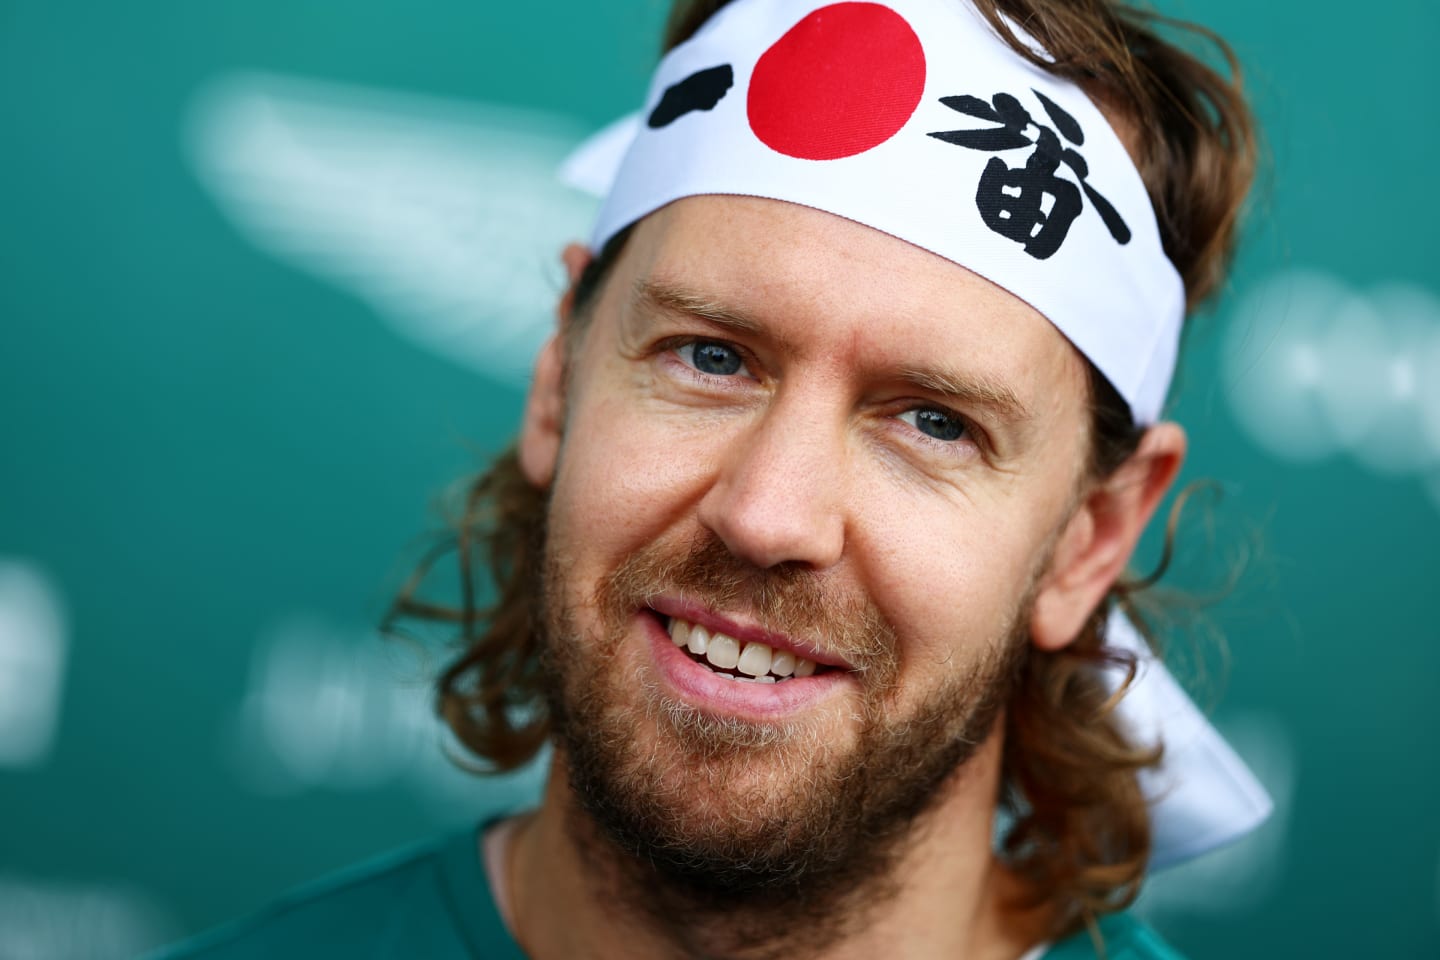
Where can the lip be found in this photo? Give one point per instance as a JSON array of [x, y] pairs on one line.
[[696, 613], [704, 688]]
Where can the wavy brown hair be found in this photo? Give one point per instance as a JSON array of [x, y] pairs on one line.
[[1079, 829]]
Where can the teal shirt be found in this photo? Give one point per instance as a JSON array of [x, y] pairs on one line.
[[433, 902]]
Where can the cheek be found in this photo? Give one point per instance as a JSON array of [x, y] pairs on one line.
[[949, 574], [625, 477]]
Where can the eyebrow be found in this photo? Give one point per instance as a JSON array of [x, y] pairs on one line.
[[966, 391], [664, 297], [969, 392]]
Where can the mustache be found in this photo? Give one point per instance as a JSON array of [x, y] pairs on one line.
[[789, 599]]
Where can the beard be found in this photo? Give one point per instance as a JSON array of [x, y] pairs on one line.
[[742, 837]]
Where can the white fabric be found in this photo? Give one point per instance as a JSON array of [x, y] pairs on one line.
[[1202, 795], [1121, 305]]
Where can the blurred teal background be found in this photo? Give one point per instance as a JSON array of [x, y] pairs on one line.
[[269, 278]]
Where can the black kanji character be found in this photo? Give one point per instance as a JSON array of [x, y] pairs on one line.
[[1012, 200], [699, 91]]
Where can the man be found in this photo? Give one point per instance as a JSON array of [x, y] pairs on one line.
[[821, 500]]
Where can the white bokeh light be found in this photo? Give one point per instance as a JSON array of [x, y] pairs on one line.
[[447, 218], [1315, 368], [331, 708], [47, 920], [33, 649], [1403, 440], [1275, 367]]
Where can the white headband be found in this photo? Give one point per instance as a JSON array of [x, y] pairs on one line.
[[913, 117]]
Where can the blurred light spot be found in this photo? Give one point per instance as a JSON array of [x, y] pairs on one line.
[[33, 647], [49, 921], [1315, 368], [326, 709], [1401, 441], [1275, 368], [331, 708], [1402, 378], [1427, 390], [1239, 878], [446, 218], [1305, 362]]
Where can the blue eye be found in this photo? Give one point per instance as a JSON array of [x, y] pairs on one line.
[[935, 423], [714, 358]]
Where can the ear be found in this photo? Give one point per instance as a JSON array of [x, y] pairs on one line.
[[544, 419], [1100, 536]]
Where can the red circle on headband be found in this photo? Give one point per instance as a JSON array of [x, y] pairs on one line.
[[840, 82]]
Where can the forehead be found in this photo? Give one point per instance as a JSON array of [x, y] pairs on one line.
[[834, 290]]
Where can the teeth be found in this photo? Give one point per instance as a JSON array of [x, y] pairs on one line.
[[759, 662], [754, 660], [723, 651]]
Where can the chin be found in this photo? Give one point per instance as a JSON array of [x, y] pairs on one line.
[[721, 792]]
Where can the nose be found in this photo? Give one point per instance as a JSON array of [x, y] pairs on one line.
[[778, 491]]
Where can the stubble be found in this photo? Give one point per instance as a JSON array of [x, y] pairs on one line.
[[740, 838]]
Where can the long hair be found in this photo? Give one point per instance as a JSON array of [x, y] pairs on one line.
[[1079, 827]]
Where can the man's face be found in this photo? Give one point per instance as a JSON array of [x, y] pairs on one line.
[[798, 432]]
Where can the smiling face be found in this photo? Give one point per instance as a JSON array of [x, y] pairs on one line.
[[828, 447]]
